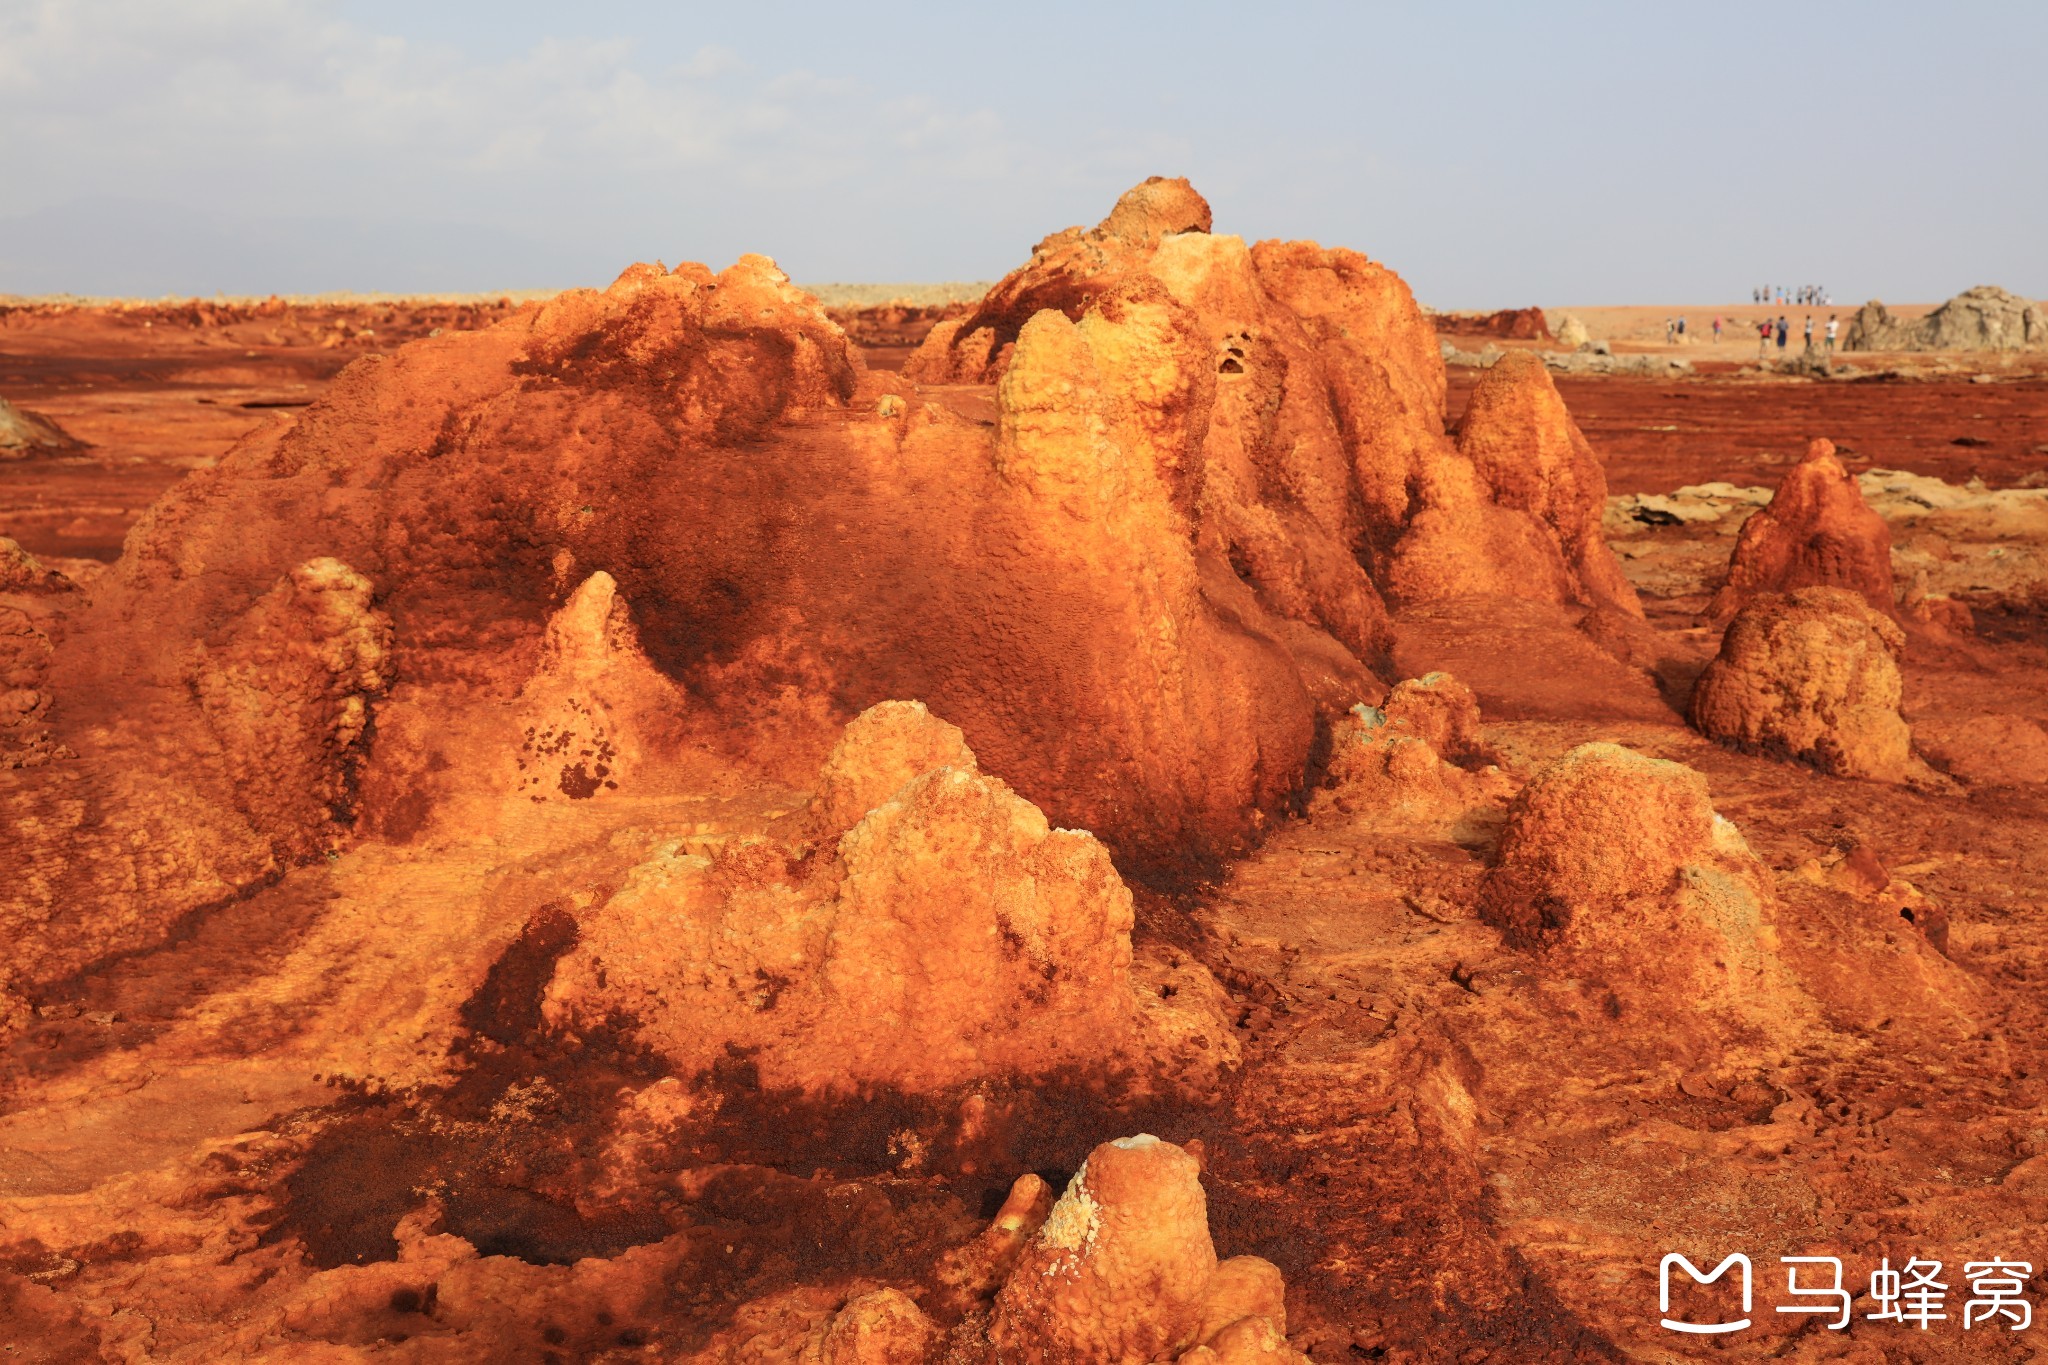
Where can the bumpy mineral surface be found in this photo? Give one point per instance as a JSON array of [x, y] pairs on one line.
[[1816, 531], [1814, 675]]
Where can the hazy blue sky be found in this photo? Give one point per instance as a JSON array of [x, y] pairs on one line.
[[1494, 154]]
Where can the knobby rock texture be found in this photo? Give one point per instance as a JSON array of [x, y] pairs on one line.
[[948, 935], [1123, 1269], [1139, 592], [1817, 531], [1812, 675], [1620, 860], [1532, 457]]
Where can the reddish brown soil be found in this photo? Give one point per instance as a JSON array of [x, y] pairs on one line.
[[1654, 436], [888, 333], [1519, 324], [156, 390], [891, 326]]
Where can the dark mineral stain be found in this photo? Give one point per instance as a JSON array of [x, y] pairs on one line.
[[579, 784]]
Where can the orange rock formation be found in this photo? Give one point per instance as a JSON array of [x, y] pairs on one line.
[[1138, 594], [22, 572], [1619, 861], [953, 936], [1123, 1270], [286, 688], [707, 443], [594, 703], [1533, 458], [1817, 532], [1325, 435], [1419, 756], [1812, 675]]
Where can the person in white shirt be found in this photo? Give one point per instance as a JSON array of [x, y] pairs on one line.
[[1833, 324]]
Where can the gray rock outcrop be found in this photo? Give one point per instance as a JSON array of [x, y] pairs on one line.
[[1985, 318], [1594, 359]]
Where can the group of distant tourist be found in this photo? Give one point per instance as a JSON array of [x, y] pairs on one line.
[[1674, 330], [1798, 295], [1782, 330], [1769, 329]]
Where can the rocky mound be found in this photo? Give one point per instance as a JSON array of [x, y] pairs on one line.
[[948, 935], [24, 433], [586, 714], [1123, 1269], [1621, 860], [1533, 458], [1417, 759], [1817, 531], [1324, 446], [286, 688], [1811, 675], [22, 572], [1985, 318], [795, 549], [883, 750], [1138, 593]]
